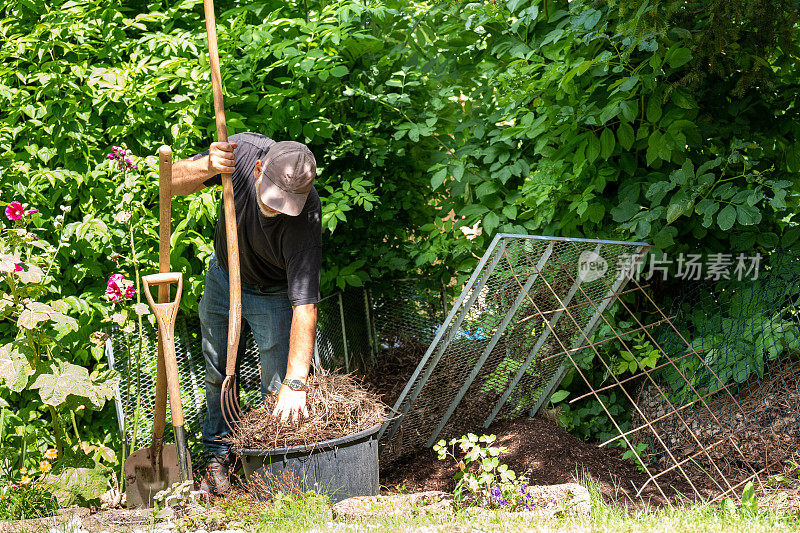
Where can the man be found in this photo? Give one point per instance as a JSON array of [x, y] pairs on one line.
[[278, 214]]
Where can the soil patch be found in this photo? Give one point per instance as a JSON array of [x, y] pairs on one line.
[[549, 455], [394, 367]]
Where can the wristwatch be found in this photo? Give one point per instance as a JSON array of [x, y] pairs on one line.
[[295, 384]]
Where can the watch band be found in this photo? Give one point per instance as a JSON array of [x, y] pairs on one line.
[[295, 384]]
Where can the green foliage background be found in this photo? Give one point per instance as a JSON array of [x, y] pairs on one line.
[[675, 123]]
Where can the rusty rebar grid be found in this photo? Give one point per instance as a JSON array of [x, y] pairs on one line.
[[631, 447], [675, 411]]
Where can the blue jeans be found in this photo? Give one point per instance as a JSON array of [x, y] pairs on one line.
[[265, 310]]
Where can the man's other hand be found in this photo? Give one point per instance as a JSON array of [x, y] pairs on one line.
[[221, 159], [291, 404]]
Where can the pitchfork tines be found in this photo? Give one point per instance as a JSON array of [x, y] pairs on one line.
[[229, 401]]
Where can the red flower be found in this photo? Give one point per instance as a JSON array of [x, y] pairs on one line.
[[14, 211], [17, 268]]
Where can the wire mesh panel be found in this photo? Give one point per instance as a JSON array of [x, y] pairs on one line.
[[503, 345]]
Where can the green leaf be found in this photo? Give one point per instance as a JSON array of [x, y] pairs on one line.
[[665, 237], [609, 112], [339, 71], [625, 135], [438, 178], [654, 108], [607, 142], [678, 57], [629, 83], [747, 215], [726, 218], [682, 99], [593, 149], [77, 485], [63, 380], [679, 205], [490, 222], [559, 396], [14, 368], [625, 211], [790, 236], [630, 109]]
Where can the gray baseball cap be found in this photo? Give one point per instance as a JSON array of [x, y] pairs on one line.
[[288, 173]]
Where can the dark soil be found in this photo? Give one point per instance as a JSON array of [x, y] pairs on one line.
[[549, 455], [395, 366]]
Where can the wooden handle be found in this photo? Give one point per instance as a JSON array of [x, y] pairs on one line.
[[164, 236], [161, 279], [231, 233], [165, 313]]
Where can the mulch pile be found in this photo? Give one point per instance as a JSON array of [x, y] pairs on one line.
[[338, 405], [549, 455]]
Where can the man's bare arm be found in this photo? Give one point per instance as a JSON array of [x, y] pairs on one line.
[[292, 403], [190, 175], [301, 341]]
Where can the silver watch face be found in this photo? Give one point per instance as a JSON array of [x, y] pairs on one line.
[[295, 384]]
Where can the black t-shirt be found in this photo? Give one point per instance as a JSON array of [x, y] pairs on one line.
[[273, 251]]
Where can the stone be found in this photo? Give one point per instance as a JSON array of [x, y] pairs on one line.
[[552, 500], [366, 507]]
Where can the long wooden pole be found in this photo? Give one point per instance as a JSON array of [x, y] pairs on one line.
[[232, 236]]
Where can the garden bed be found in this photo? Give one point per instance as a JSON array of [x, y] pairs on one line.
[[550, 455]]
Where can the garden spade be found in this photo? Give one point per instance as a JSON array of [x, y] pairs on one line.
[[159, 466]]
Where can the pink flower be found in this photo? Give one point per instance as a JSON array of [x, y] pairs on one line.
[[114, 288], [18, 268], [31, 211], [123, 157], [118, 288], [14, 211]]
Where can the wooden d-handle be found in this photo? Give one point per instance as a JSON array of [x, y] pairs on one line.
[[163, 278]]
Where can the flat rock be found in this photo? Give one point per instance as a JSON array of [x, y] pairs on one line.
[[64, 516], [551, 500], [365, 507]]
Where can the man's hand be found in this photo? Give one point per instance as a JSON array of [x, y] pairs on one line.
[[221, 159], [291, 404]]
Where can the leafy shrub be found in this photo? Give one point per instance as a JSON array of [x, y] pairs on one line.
[[481, 478]]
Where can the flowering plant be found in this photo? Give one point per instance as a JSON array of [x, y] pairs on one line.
[[35, 368], [481, 478]]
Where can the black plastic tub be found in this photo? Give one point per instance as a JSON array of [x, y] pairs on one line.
[[340, 468]]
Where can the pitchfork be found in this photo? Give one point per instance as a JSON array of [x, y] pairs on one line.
[[229, 400]]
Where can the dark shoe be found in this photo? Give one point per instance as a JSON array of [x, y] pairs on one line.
[[217, 479]]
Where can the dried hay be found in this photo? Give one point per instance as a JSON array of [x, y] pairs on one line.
[[338, 405]]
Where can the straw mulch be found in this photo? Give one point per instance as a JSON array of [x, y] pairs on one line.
[[338, 405]]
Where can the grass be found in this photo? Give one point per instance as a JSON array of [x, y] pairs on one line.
[[312, 514]]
